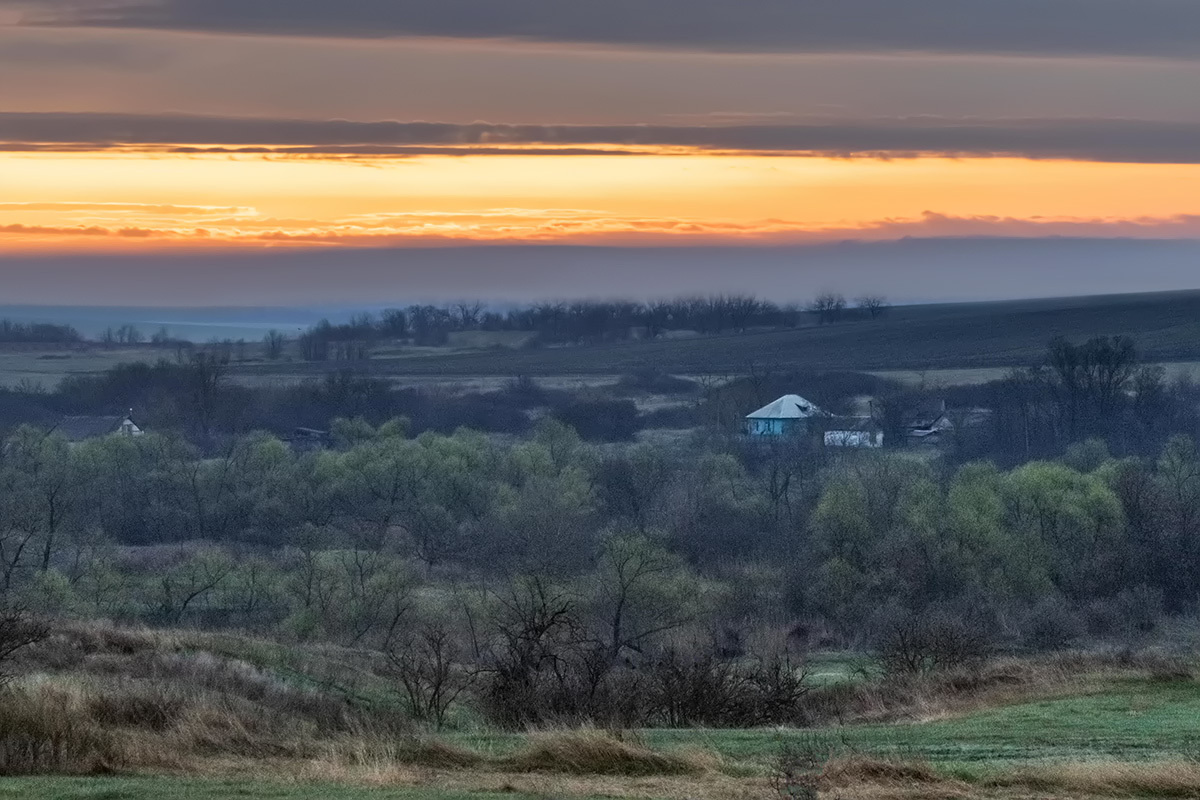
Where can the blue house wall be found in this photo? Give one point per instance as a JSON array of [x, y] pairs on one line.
[[775, 427]]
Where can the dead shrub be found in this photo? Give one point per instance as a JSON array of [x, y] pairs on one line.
[[920, 644], [700, 688]]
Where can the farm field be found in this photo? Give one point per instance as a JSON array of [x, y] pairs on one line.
[[931, 345], [914, 340]]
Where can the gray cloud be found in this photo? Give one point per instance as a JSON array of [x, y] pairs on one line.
[[1113, 140], [1155, 28]]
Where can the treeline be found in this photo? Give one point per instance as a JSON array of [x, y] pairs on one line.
[[836, 543], [1098, 389], [195, 397], [574, 323], [15, 332]]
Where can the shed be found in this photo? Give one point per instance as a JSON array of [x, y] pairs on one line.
[[788, 416], [854, 432]]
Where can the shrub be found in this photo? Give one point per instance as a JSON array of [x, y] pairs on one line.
[[689, 689], [923, 643], [605, 420], [1051, 625]]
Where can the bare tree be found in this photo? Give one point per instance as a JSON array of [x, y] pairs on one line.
[[467, 314], [432, 672], [742, 309], [273, 343], [873, 304], [828, 307]]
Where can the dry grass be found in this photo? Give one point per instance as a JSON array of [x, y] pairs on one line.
[[858, 769], [589, 751], [1150, 779], [45, 728]]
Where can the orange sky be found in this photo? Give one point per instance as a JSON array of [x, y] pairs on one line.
[[1041, 122], [56, 201]]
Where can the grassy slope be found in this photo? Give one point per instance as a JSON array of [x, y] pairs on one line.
[[1110, 715], [1126, 720], [1129, 719], [953, 336]]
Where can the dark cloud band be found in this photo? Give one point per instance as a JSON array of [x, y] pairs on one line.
[[1154, 28], [1076, 139]]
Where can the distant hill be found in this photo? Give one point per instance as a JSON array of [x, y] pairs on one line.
[[943, 336]]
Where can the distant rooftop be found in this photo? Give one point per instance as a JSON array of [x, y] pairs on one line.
[[78, 429], [790, 406]]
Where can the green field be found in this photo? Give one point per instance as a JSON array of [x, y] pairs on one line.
[[912, 339], [1126, 720]]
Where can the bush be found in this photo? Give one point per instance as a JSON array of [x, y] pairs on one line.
[[1051, 625], [605, 420], [702, 689], [920, 644]]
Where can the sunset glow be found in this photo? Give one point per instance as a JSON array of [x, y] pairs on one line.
[[162, 127], [104, 200]]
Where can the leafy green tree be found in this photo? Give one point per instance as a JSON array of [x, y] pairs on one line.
[[1077, 519]]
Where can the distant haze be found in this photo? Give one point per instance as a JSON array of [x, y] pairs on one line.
[[906, 271]]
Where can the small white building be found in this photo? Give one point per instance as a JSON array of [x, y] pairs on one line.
[[790, 415], [861, 432]]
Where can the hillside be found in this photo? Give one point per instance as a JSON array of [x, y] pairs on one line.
[[944, 336], [134, 713]]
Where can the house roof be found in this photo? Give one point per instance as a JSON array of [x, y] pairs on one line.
[[79, 428], [790, 406]]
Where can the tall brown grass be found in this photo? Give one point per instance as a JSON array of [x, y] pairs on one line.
[[1147, 779], [589, 751], [45, 728]]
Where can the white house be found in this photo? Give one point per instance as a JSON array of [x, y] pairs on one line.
[[790, 415]]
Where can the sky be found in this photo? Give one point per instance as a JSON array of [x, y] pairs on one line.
[[257, 152]]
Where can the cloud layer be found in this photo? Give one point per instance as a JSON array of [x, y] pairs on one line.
[[1113, 140], [557, 226], [1154, 28]]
